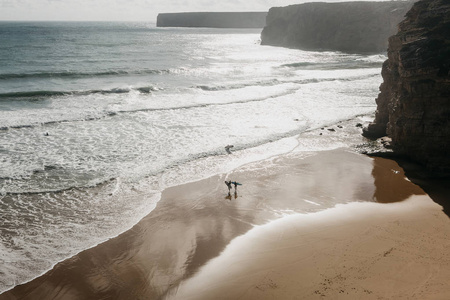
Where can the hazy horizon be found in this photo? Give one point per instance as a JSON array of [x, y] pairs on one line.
[[121, 10]]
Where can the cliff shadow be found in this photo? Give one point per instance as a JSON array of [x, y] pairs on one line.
[[390, 183], [438, 188]]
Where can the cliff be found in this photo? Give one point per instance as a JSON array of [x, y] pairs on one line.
[[354, 27], [413, 106], [213, 19]]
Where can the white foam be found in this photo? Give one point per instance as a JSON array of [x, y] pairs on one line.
[[173, 134]]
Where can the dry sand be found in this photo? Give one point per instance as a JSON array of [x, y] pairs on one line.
[[353, 251], [200, 244]]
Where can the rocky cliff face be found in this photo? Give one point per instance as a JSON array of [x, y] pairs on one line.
[[213, 19], [355, 27], [414, 103]]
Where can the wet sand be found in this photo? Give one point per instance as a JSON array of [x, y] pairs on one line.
[[199, 243]]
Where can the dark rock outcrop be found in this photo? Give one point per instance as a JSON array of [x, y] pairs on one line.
[[213, 19], [413, 107], [354, 27]]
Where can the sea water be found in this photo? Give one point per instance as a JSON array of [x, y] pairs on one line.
[[96, 119]]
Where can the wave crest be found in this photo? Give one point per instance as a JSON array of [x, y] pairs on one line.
[[37, 95], [69, 74]]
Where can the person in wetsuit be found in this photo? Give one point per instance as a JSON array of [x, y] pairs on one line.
[[228, 183]]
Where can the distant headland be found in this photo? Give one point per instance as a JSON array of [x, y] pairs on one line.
[[213, 19], [352, 27]]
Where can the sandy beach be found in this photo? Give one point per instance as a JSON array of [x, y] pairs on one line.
[[354, 251], [306, 225]]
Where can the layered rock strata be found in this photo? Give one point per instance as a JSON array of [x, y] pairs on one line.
[[413, 107], [354, 27]]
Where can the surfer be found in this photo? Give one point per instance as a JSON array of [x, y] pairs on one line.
[[235, 184], [228, 183], [227, 148]]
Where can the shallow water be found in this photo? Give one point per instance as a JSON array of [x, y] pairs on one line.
[[97, 118]]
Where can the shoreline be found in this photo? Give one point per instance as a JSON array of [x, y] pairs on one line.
[[211, 167], [195, 222]]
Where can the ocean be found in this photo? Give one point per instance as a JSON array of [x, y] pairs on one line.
[[96, 119]]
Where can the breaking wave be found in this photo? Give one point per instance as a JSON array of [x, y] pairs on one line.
[[36, 95], [69, 74]]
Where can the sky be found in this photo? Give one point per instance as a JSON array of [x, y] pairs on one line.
[[123, 10]]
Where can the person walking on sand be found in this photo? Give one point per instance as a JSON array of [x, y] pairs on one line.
[[228, 183], [235, 185]]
